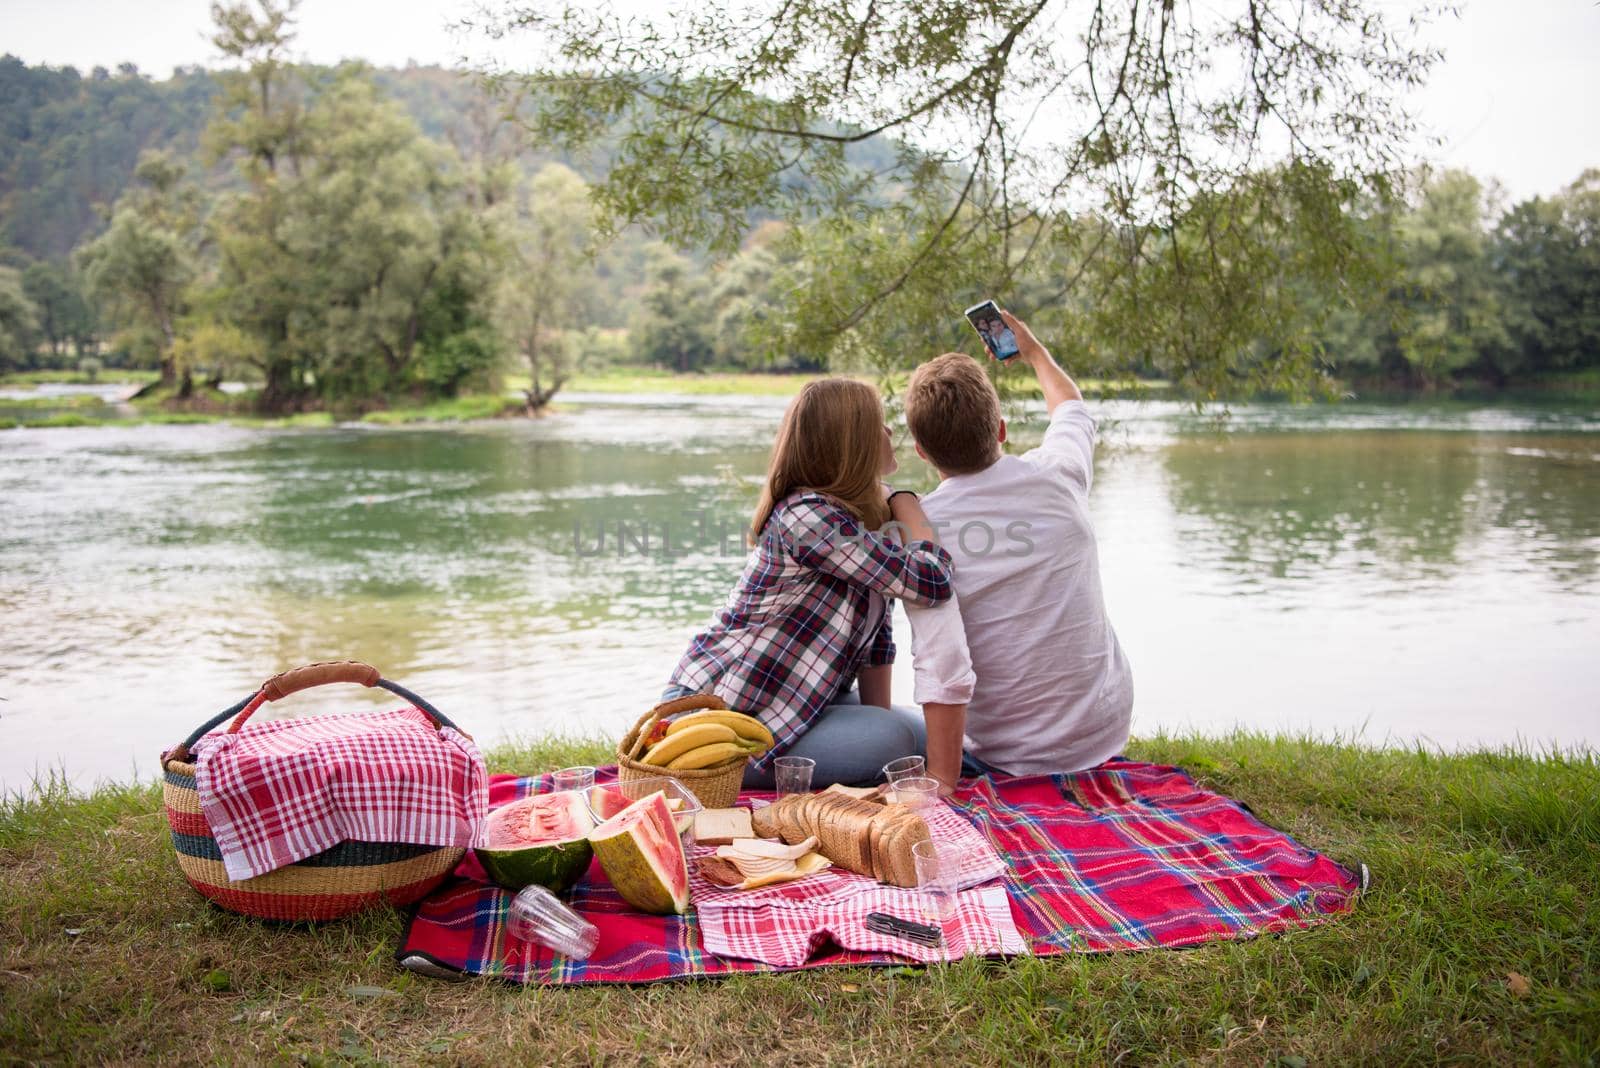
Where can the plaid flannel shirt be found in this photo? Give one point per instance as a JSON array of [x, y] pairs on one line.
[[810, 610]]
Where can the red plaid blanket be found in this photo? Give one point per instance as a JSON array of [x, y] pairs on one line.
[[283, 790], [1124, 856]]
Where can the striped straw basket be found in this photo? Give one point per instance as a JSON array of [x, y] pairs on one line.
[[336, 882]]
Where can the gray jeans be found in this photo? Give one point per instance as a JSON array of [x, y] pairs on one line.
[[850, 741]]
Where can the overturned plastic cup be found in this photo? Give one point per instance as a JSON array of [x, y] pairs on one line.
[[537, 915]]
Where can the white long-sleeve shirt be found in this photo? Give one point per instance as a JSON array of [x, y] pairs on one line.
[[1052, 689], [941, 666]]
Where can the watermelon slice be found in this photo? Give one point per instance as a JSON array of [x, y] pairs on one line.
[[607, 802], [642, 855], [540, 839]]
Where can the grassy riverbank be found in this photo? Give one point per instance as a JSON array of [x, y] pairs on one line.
[[1479, 941], [639, 380], [84, 411], [81, 411], [108, 376]]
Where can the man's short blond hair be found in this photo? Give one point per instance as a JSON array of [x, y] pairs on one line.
[[954, 414]]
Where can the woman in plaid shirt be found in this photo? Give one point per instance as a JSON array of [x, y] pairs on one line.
[[811, 614]]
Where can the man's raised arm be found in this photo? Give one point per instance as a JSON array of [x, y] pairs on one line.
[[1057, 384]]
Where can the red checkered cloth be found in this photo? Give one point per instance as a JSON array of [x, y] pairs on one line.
[[787, 933], [283, 790], [1123, 856], [786, 923], [979, 864]]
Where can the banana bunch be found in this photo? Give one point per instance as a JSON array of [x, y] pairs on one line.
[[708, 737]]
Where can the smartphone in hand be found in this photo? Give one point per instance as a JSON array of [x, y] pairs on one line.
[[997, 336]]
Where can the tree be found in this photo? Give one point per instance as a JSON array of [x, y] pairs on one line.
[[1451, 314], [63, 313], [141, 268], [355, 258], [675, 320], [19, 321], [395, 262], [257, 124], [546, 290], [1546, 255], [1010, 120]]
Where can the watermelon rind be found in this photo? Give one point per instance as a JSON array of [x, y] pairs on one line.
[[555, 865], [642, 855]]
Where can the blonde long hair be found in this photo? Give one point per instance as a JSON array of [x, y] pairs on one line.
[[830, 442]]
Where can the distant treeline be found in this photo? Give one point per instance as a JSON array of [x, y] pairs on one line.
[[347, 236], [1478, 291]]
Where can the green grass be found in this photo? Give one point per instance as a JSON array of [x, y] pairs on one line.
[[1581, 385], [642, 380], [458, 409], [1484, 865], [71, 400], [475, 406], [645, 380], [77, 378]]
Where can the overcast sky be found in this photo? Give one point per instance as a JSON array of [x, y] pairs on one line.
[[1515, 99]]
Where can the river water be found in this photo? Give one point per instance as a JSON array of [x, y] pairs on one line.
[[1424, 573]]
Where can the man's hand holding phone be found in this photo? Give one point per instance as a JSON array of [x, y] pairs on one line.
[[1029, 348], [1057, 385]]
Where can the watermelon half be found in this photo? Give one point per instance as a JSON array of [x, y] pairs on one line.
[[540, 839], [642, 855]]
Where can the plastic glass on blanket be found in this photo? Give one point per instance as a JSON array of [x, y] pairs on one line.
[[906, 767], [938, 878], [578, 778], [792, 775], [537, 915], [916, 793]]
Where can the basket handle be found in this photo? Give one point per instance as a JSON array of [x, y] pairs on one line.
[[285, 683]]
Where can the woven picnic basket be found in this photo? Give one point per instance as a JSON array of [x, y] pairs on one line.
[[716, 786], [347, 878]]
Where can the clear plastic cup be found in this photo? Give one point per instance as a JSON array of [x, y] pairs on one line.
[[792, 775], [537, 915], [938, 867], [907, 767], [916, 793], [578, 778]]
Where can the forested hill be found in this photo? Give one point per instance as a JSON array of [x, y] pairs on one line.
[[1461, 287], [69, 141]]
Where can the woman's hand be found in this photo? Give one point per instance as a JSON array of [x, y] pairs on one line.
[[906, 511]]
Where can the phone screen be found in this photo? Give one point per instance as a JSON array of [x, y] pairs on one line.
[[997, 336]]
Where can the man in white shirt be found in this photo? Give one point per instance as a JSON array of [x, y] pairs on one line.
[[1023, 661]]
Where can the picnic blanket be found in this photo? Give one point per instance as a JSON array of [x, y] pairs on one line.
[[1124, 856]]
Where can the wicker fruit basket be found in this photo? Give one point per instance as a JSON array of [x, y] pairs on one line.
[[351, 876], [716, 786]]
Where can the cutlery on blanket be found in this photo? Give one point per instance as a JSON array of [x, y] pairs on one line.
[[895, 927]]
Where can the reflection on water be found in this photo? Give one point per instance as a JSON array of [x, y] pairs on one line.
[[1410, 507], [1318, 569]]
